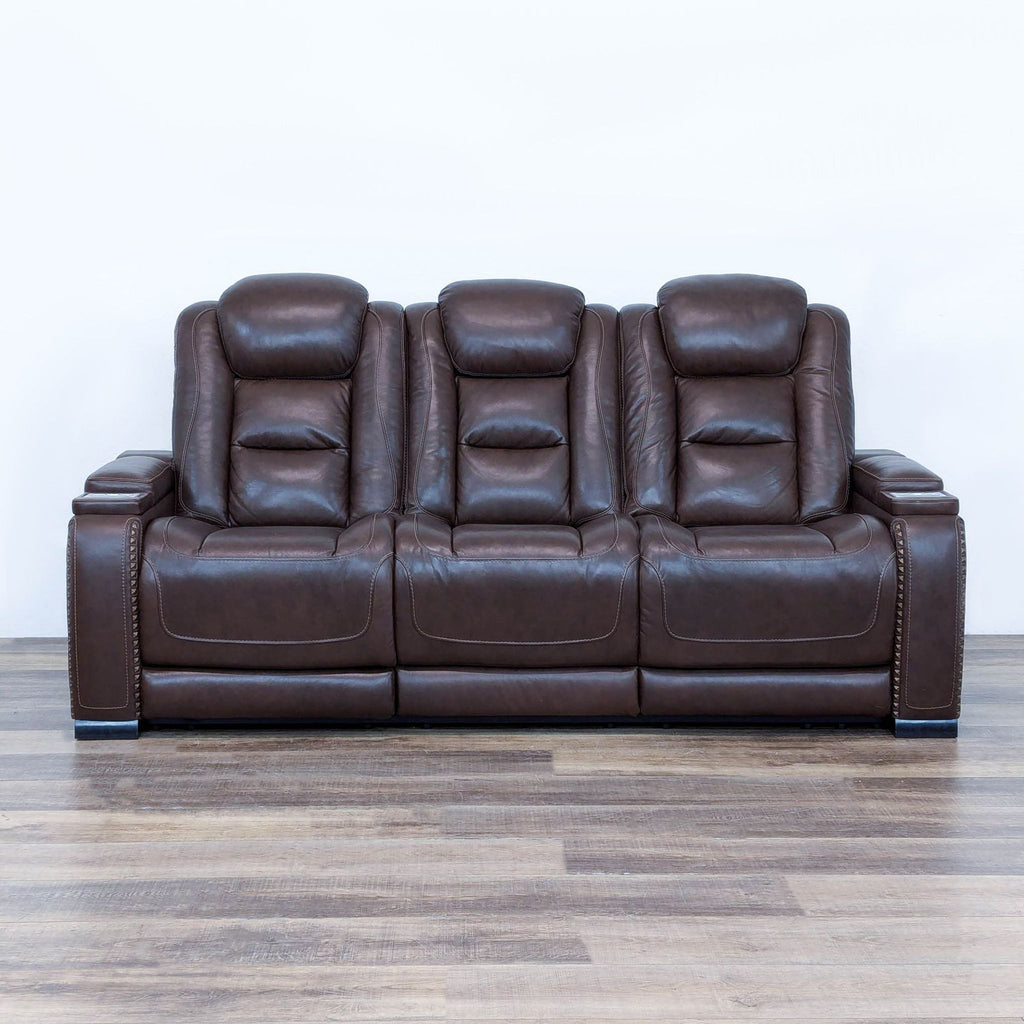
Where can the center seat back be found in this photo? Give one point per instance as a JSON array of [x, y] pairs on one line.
[[513, 405], [515, 565]]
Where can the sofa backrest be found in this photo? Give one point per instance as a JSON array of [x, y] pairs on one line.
[[513, 405], [738, 406], [289, 403]]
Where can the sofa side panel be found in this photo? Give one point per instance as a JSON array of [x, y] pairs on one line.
[[931, 560], [103, 622]]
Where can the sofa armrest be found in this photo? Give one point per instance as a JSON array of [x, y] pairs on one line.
[[900, 486], [104, 563], [129, 486], [931, 563]]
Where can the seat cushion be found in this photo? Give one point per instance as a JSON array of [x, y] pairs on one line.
[[494, 595], [288, 597], [810, 596]]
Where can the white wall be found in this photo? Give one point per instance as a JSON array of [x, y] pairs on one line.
[[156, 153]]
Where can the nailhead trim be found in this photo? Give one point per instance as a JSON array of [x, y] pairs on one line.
[[960, 597], [897, 664], [133, 595], [897, 660], [70, 598]]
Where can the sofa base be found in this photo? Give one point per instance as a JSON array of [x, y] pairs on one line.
[[520, 721], [525, 698], [87, 730], [902, 728], [499, 694], [925, 728], [771, 692], [219, 694], [528, 722]]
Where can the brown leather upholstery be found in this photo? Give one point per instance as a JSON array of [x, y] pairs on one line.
[[291, 414], [289, 597], [738, 445], [516, 596], [218, 695], [521, 430], [103, 560], [515, 553], [809, 596], [900, 486], [497, 693], [792, 693], [509, 505], [289, 422], [755, 426], [931, 562]]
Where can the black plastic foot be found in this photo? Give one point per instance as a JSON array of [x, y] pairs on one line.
[[924, 728], [85, 730]]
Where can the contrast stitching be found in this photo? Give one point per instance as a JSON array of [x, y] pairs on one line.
[[958, 625], [858, 468], [647, 410], [380, 411], [958, 629], [517, 643], [133, 597], [522, 558], [369, 541], [72, 560], [770, 639], [430, 401], [897, 661], [598, 391], [847, 459], [404, 406], [906, 613], [620, 369], [124, 612], [192, 418], [232, 640], [129, 478], [794, 558], [270, 558], [126, 606]]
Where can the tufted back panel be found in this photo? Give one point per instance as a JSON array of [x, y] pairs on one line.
[[738, 404], [289, 403], [513, 405]]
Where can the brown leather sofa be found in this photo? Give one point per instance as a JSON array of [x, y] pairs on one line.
[[511, 506]]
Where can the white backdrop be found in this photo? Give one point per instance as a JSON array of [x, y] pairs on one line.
[[153, 154]]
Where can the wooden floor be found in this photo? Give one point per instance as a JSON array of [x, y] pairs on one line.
[[727, 875]]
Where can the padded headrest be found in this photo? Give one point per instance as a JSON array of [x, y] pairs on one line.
[[716, 325], [292, 325], [511, 328]]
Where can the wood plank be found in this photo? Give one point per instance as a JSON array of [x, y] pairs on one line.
[[374, 941], [826, 855], [291, 858], [956, 897], [807, 940], [758, 992], [571, 875], [386, 895], [852, 815], [262, 992], [85, 826]]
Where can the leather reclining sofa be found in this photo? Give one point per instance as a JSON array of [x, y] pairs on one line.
[[511, 506]]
